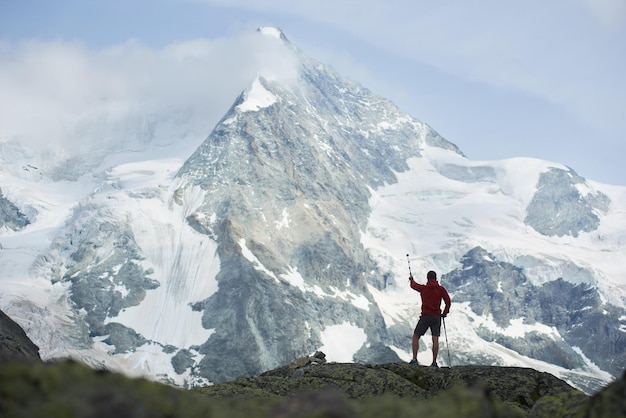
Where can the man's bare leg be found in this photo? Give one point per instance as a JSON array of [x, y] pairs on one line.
[[415, 345], [435, 348]]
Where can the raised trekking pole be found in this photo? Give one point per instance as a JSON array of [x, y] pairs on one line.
[[447, 345], [409, 261]]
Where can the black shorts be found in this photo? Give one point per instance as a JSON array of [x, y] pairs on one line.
[[425, 322]]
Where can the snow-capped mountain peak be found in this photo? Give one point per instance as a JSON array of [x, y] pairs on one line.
[[286, 231], [273, 33], [256, 97]]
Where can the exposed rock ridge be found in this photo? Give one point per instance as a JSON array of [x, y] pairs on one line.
[[290, 184], [11, 217], [14, 343], [565, 205], [577, 311]]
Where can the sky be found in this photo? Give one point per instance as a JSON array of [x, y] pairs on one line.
[[500, 79]]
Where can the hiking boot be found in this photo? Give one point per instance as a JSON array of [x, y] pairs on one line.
[[434, 364], [413, 361]]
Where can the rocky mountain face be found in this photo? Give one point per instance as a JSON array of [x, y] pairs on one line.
[[11, 217], [14, 343], [286, 231], [289, 184], [576, 311], [284, 194], [559, 208]]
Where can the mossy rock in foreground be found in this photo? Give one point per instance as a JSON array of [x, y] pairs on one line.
[[564, 404], [356, 381], [517, 386], [69, 389], [609, 402]]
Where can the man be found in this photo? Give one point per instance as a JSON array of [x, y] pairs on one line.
[[432, 293]]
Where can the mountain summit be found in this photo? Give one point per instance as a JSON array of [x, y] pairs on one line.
[[286, 232], [272, 32], [286, 175]]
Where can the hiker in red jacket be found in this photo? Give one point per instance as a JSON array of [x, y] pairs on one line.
[[432, 293]]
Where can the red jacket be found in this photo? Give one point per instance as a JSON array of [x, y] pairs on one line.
[[432, 293]]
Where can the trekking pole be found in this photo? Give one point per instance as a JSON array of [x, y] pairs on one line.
[[409, 261], [447, 345]]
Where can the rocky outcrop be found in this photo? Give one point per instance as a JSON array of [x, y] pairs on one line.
[[11, 217], [338, 390], [577, 311], [559, 207], [14, 343], [519, 386], [403, 390]]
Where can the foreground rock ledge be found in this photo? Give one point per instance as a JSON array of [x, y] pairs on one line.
[[399, 389], [521, 387], [70, 389]]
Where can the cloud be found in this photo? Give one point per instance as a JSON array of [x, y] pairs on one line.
[[68, 96], [559, 51], [475, 70], [610, 13]]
